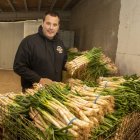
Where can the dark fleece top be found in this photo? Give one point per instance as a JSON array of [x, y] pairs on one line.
[[38, 57]]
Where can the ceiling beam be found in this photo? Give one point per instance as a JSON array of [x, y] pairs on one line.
[[39, 4], [53, 4], [81, 2], [25, 4], [11, 5], [1, 10], [14, 16], [66, 4]]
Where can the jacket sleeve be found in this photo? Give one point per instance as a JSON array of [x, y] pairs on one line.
[[22, 62]]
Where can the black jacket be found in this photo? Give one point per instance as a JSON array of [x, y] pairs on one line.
[[38, 57]]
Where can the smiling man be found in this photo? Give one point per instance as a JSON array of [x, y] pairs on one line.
[[41, 57], [50, 25]]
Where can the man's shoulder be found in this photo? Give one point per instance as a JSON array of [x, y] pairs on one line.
[[32, 36]]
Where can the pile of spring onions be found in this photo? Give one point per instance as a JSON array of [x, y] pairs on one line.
[[27, 117], [88, 108], [70, 111], [102, 83], [56, 112], [110, 82], [127, 100], [125, 91], [72, 53], [90, 66]]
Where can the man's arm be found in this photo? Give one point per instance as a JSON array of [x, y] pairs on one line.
[[22, 63]]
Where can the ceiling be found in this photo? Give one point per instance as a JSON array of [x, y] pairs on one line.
[[15, 9]]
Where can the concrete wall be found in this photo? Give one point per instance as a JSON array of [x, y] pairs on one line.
[[128, 51], [31, 27], [95, 23], [10, 37]]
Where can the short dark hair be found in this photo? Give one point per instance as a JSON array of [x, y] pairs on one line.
[[51, 13]]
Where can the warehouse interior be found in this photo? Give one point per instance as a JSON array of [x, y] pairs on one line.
[[98, 97], [108, 24]]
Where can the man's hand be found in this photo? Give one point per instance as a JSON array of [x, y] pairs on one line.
[[45, 81]]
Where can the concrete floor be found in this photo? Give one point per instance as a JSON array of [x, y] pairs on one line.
[[9, 82]]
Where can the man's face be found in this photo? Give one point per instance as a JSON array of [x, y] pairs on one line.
[[50, 26]]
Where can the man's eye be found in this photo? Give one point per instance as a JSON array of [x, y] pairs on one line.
[[47, 23], [54, 25]]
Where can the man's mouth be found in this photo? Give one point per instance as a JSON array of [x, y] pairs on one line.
[[50, 32]]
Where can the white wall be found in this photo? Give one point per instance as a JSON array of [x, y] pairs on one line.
[[31, 26], [10, 37], [11, 34], [128, 50]]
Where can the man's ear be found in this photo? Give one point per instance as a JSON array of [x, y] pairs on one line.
[[58, 28], [42, 23]]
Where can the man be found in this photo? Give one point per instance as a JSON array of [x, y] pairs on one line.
[[41, 57]]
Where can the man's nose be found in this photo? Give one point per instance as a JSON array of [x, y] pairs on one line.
[[51, 26]]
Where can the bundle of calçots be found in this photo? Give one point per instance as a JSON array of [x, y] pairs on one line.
[[127, 100], [23, 117], [73, 111], [90, 65], [125, 91], [57, 112]]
